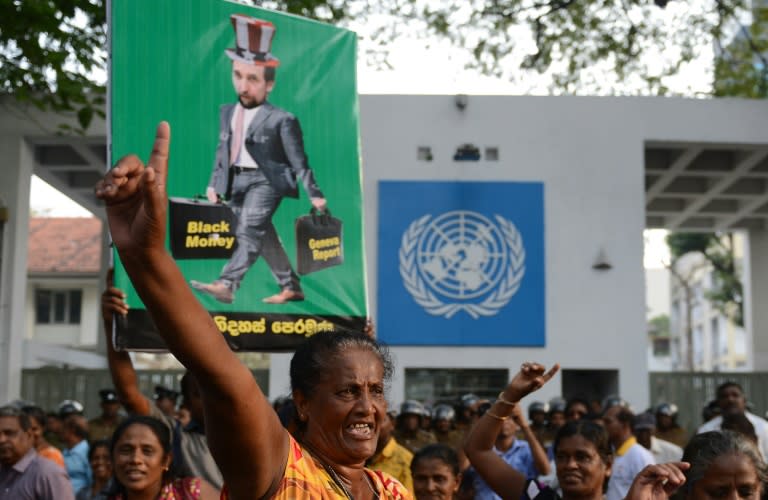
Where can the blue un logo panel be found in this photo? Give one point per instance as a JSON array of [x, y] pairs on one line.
[[461, 263]]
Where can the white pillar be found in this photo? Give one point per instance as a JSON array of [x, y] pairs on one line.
[[16, 167], [756, 293]]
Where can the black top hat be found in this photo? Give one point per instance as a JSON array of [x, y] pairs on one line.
[[108, 396], [253, 41], [163, 392]]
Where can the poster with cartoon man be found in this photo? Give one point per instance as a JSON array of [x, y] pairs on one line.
[[264, 111]]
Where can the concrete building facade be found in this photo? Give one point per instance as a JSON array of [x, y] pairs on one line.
[[609, 167]]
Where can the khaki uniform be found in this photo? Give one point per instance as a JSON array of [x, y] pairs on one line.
[[416, 440], [98, 428], [452, 438], [676, 435], [395, 460]]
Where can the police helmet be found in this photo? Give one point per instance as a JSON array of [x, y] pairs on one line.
[[557, 405], [469, 400], [443, 412], [614, 400], [412, 407], [668, 409], [537, 407], [69, 407]]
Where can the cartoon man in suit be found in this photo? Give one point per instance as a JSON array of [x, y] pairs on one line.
[[259, 158]]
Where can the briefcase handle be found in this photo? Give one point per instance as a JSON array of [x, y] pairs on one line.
[[320, 217], [201, 198]]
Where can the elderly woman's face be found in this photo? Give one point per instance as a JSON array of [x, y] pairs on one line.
[[344, 414], [731, 476]]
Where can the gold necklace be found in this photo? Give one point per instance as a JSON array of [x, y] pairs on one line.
[[337, 478]]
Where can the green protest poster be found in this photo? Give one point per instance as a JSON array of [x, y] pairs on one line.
[[265, 208]]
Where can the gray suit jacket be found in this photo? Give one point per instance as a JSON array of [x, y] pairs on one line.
[[274, 140]]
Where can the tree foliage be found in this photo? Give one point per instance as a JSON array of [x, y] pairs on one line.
[[727, 290], [52, 52], [601, 46]]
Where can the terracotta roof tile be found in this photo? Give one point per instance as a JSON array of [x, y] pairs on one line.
[[64, 244]]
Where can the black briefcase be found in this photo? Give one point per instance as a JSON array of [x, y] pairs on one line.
[[201, 229], [319, 243]]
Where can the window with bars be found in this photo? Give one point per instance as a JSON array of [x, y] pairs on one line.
[[447, 385], [57, 307]]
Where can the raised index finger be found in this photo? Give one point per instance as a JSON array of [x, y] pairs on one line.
[[158, 159], [551, 372]]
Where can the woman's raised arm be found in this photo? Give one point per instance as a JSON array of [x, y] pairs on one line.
[[244, 434]]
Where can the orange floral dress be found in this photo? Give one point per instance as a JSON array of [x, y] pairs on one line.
[[306, 479]]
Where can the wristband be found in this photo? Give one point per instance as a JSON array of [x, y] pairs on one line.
[[507, 402], [493, 415]]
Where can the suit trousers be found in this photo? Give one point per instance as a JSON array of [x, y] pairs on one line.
[[254, 201]]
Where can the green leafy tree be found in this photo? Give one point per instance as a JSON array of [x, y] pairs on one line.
[[742, 68], [727, 292], [659, 325], [52, 52]]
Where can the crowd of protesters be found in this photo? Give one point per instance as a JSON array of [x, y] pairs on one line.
[[336, 437], [471, 448]]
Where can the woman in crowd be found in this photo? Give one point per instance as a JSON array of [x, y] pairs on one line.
[[582, 452], [435, 472], [37, 420], [101, 471], [718, 464], [143, 468], [337, 379]]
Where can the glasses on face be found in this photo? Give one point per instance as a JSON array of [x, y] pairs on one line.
[[580, 457]]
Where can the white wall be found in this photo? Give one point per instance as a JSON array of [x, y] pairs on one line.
[[84, 334], [589, 154], [657, 285]]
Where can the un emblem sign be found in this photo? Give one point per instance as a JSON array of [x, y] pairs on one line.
[[462, 261]]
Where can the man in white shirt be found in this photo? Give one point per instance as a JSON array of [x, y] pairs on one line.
[[731, 400], [630, 457]]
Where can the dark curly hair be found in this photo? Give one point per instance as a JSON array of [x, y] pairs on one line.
[[316, 356]]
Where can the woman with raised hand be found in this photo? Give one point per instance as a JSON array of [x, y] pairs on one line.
[[498, 475], [337, 380], [716, 465]]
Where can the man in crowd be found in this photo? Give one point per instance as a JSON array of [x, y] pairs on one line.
[[667, 427], [390, 456], [630, 457], [75, 439], [731, 401], [191, 452], [526, 456], [105, 424], [165, 400], [443, 418], [24, 475], [537, 415], [409, 432], [645, 432]]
